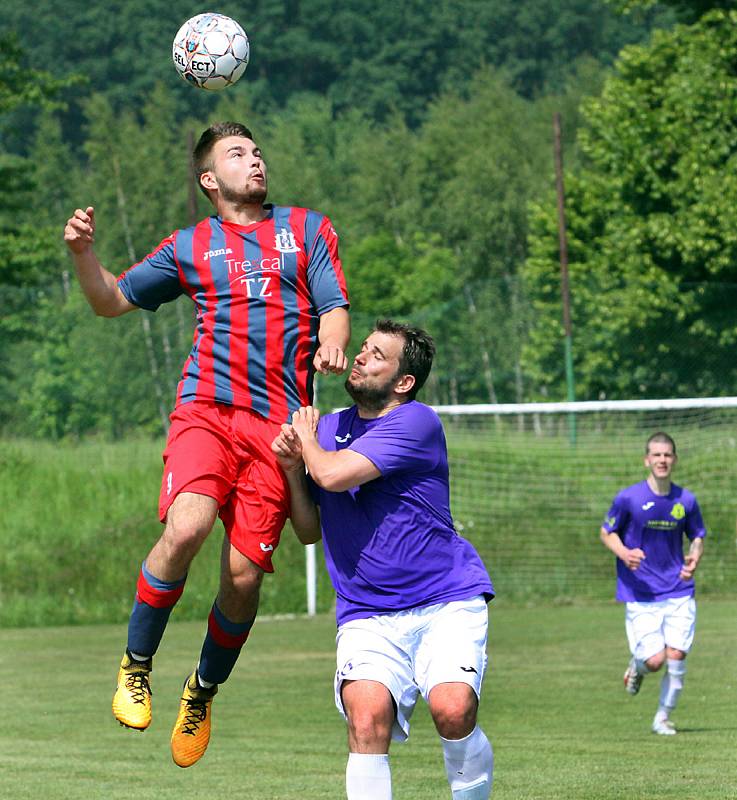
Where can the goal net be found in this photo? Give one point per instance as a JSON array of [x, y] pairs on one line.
[[531, 483]]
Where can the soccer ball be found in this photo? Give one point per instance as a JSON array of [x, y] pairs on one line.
[[210, 51]]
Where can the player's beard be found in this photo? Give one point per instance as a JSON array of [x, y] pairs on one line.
[[372, 398], [252, 196]]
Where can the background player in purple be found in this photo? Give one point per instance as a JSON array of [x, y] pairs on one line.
[[411, 594], [644, 529], [272, 308]]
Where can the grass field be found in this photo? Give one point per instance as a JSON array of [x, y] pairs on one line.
[[79, 517], [554, 708]]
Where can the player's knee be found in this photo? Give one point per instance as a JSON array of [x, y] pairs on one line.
[[455, 724], [189, 520], [654, 663], [244, 582], [369, 728], [182, 538], [455, 718]]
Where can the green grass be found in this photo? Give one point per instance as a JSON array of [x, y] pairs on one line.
[[79, 518], [553, 706]]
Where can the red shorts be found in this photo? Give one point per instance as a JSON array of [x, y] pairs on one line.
[[225, 453]]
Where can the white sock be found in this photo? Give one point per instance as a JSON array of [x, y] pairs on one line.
[[368, 777], [469, 765], [138, 657], [671, 686], [202, 682]]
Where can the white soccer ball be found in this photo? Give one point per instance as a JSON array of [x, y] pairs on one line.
[[211, 51]]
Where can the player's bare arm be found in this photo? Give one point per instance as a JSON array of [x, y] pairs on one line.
[[695, 551], [303, 513], [99, 286], [333, 335], [335, 471], [631, 558]]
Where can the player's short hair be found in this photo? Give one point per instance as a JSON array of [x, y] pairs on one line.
[[417, 353], [201, 155], [661, 437]]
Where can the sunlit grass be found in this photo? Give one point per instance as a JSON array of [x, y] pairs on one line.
[[553, 706]]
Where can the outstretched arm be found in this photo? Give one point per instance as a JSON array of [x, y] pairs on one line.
[[99, 286], [631, 558], [303, 512], [334, 334]]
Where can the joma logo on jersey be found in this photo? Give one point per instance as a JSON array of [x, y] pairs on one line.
[[284, 242], [223, 251]]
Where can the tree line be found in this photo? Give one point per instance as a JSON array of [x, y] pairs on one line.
[[443, 199]]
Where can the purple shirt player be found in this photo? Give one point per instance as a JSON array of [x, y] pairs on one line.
[[656, 524], [402, 550], [645, 529], [411, 593]]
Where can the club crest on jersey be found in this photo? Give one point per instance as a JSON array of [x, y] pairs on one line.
[[284, 241]]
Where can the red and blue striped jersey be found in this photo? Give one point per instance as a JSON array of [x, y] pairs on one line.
[[259, 291]]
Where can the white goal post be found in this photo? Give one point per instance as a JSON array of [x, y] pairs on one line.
[[588, 406]]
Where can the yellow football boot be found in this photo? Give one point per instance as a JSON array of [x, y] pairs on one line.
[[191, 733], [132, 699]]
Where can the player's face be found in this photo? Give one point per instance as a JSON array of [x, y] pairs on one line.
[[239, 170], [375, 371], [660, 459]]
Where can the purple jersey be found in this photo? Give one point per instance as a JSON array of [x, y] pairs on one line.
[[390, 543], [656, 524], [259, 291]]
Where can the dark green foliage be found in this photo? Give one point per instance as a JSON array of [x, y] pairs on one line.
[[28, 247], [425, 133], [651, 221], [379, 57], [685, 10]]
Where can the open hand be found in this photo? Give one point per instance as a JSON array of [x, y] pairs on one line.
[[288, 449], [304, 422]]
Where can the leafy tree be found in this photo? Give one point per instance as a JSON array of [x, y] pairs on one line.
[[651, 225], [373, 113], [381, 57], [21, 85], [90, 374], [481, 156], [686, 10], [27, 246]]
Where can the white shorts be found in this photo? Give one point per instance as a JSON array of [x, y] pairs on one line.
[[653, 626], [412, 651]]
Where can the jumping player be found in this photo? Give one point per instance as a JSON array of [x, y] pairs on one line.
[[411, 594], [272, 308], [644, 529]]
